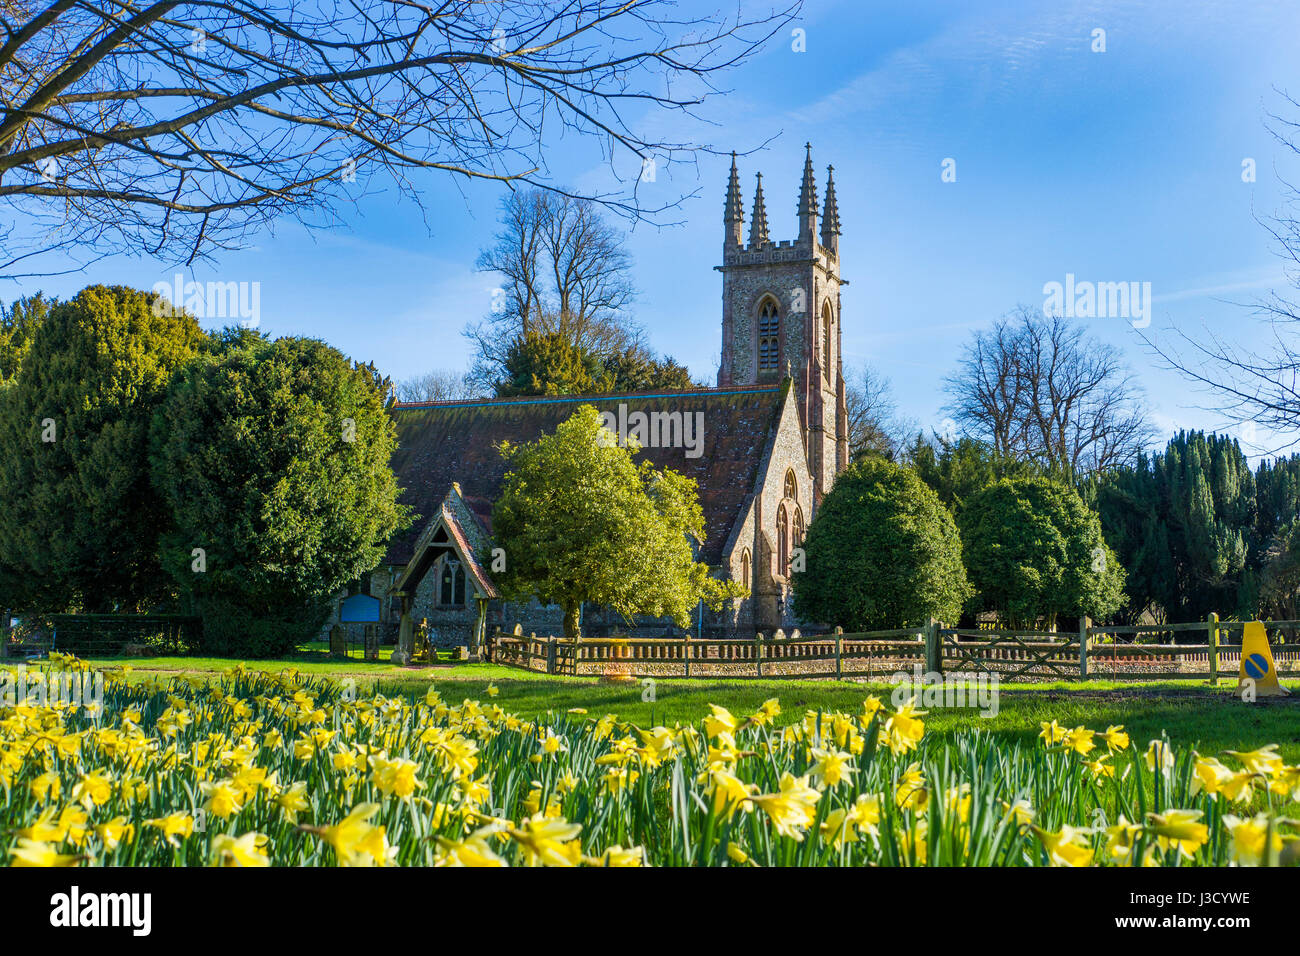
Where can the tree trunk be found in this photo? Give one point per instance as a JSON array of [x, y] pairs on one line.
[[571, 612]]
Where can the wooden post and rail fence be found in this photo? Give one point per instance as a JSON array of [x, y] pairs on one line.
[[1191, 651]]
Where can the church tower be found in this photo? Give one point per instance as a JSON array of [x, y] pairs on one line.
[[781, 314]]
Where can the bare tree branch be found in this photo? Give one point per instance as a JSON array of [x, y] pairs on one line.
[[874, 426], [1034, 387], [181, 127], [1260, 387], [566, 272]]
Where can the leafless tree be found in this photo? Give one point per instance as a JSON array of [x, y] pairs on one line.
[[1247, 385], [988, 389], [439, 385], [565, 272], [177, 128], [874, 425], [1037, 388]]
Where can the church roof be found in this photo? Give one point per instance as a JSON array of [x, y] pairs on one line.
[[444, 442]]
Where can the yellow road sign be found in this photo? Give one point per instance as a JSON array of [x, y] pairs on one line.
[[1257, 667]]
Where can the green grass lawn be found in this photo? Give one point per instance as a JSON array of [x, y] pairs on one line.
[[1190, 712]]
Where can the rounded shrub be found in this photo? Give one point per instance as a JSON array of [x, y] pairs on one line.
[[882, 552]]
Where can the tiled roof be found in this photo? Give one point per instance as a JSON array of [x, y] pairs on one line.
[[444, 442]]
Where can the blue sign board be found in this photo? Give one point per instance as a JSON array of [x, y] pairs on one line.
[[359, 609]]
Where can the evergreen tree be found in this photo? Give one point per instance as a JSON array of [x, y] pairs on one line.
[[1210, 512], [1187, 525], [957, 470], [273, 459], [636, 370], [882, 552], [548, 364], [1133, 516], [18, 324], [80, 520], [1034, 552]]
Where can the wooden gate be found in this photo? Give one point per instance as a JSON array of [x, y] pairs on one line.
[[1011, 654]]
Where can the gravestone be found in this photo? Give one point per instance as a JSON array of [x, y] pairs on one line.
[[372, 643], [339, 641]]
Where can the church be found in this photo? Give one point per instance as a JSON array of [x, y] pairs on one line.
[[771, 438]]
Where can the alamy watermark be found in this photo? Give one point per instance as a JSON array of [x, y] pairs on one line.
[[51, 688], [240, 301], [654, 429], [1074, 299], [934, 690]]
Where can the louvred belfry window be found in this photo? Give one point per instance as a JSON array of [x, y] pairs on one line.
[[769, 336]]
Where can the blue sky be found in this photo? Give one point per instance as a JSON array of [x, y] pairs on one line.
[[1123, 165]]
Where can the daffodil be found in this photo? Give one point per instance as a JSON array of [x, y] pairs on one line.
[[293, 800], [1067, 847], [737, 855], [1121, 840], [915, 844], [870, 707], [1159, 756], [768, 711], [73, 823], [791, 809], [1179, 829], [549, 841], [719, 721], [617, 856], [1051, 733], [911, 791], [1079, 740], [904, 729], [1099, 767], [246, 850], [112, 833], [172, 826], [44, 829], [550, 743], [47, 786], [1021, 811], [831, 766], [36, 853], [473, 851], [1264, 761], [222, 799], [396, 777], [1115, 737], [1208, 775], [1249, 837], [356, 842], [729, 793]]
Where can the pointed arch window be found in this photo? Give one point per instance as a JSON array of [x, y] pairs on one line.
[[451, 584], [745, 570], [791, 486], [769, 335], [797, 531], [783, 541], [826, 340]]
